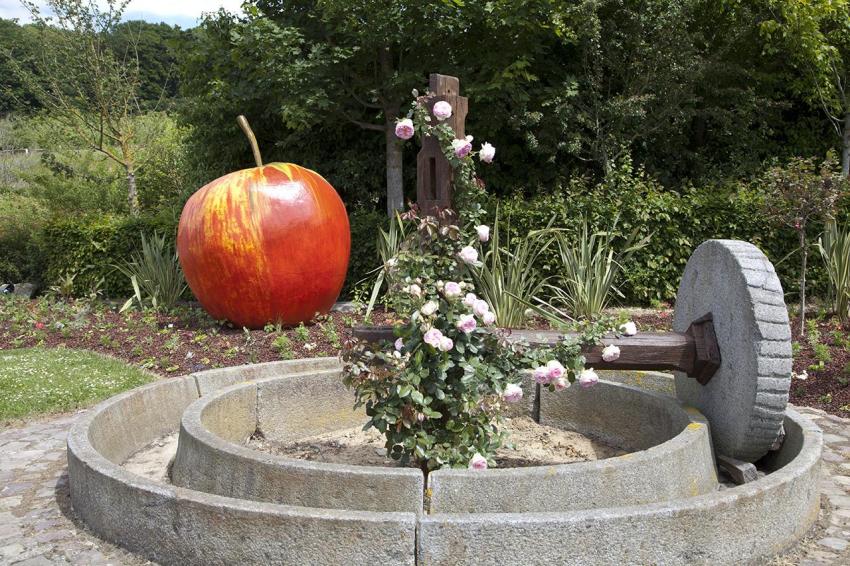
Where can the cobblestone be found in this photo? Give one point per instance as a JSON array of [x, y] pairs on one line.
[[38, 527]]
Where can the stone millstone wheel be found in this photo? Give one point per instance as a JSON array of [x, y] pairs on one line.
[[745, 400]]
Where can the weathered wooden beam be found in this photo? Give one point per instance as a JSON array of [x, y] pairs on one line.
[[694, 352]]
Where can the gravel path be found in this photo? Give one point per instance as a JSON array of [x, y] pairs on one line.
[[37, 526]]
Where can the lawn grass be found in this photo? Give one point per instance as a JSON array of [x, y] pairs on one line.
[[36, 381]]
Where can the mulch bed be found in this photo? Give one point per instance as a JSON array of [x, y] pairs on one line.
[[189, 341]]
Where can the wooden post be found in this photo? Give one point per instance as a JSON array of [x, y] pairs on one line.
[[433, 171]]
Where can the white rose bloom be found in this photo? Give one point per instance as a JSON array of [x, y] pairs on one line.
[[629, 328], [429, 308]]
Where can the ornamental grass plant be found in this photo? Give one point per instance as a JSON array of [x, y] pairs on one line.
[[834, 248], [155, 275], [588, 269], [509, 276]]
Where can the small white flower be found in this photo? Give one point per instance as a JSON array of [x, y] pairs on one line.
[[399, 344], [489, 318], [470, 299], [480, 307], [415, 290], [452, 290], [483, 232], [446, 344], [629, 328], [802, 376], [429, 308], [391, 262], [487, 153], [610, 353]]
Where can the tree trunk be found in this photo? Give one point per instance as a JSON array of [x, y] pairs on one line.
[[132, 193], [805, 252], [845, 147], [395, 182]]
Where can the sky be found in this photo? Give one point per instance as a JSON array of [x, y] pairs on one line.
[[184, 13]]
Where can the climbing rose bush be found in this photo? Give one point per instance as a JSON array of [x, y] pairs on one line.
[[438, 391]]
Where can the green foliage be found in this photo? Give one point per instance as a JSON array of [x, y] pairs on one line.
[[283, 346], [91, 246], [834, 247], [21, 252], [588, 269], [509, 276], [155, 274]]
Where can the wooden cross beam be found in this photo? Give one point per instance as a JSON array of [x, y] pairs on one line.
[[694, 352], [433, 171]]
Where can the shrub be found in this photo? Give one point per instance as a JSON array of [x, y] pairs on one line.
[[91, 247], [21, 221], [155, 274]]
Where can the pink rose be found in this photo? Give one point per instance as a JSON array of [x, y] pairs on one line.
[[446, 344], [588, 378], [556, 370], [470, 299], [489, 318], [480, 307], [541, 375], [483, 232], [478, 462], [487, 153], [468, 255], [513, 393], [561, 384], [452, 290], [462, 147], [466, 323], [442, 110], [404, 129], [433, 337]]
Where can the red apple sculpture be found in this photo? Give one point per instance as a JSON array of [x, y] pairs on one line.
[[265, 245]]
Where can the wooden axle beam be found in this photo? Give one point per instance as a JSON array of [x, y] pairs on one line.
[[694, 352]]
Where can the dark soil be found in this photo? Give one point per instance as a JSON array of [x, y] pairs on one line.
[[188, 341]]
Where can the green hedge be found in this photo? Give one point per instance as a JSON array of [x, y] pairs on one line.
[[91, 247], [677, 222]]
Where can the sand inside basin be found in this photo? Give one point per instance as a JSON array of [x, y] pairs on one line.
[[529, 444]]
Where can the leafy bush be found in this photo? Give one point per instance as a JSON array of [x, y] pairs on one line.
[[21, 221], [91, 247]]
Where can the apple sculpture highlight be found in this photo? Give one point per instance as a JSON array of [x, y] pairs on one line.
[[264, 245]]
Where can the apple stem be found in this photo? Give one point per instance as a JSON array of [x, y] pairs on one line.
[[252, 139]]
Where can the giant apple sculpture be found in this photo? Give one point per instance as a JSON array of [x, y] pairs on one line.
[[265, 245]]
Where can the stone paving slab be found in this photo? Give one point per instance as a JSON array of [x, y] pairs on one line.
[[38, 527]]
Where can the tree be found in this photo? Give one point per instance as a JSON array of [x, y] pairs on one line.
[[798, 194], [319, 65], [816, 37], [85, 85], [636, 72]]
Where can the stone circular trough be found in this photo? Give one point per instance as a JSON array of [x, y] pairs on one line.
[[660, 503], [655, 429]]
